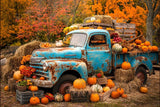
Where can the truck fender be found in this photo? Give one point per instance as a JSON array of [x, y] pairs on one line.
[[58, 67], [142, 61]]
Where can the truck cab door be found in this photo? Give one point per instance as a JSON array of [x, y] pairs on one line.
[[99, 53]]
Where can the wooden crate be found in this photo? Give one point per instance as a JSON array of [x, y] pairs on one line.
[[102, 81], [125, 30], [12, 84]]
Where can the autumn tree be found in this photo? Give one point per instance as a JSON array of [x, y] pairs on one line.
[[10, 11], [42, 21], [127, 11], [153, 7]]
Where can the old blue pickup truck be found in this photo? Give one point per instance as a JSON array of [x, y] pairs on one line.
[[62, 65]]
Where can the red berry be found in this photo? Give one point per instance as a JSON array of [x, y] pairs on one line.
[[99, 75]]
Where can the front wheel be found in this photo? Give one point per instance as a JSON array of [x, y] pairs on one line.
[[64, 83], [141, 74]]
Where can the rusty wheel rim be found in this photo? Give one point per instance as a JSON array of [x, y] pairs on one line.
[[64, 87], [141, 76]]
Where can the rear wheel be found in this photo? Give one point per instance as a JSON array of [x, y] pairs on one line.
[[64, 83], [141, 74]]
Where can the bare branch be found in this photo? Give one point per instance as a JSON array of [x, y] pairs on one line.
[[156, 11], [147, 3], [155, 4]]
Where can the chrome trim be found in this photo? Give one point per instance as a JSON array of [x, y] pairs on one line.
[[34, 60]]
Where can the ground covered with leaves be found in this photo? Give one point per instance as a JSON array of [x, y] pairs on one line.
[[151, 99]]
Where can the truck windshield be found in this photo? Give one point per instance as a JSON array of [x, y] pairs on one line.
[[78, 39]]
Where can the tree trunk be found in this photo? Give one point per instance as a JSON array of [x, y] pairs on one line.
[[149, 26]]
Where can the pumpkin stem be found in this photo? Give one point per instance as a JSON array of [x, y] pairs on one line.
[[33, 94]]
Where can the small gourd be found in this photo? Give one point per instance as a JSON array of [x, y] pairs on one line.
[[34, 88], [106, 88], [44, 100], [120, 90], [67, 97], [154, 48], [126, 65], [115, 94], [91, 80], [96, 88], [34, 100], [58, 97], [117, 47], [94, 97], [144, 48], [110, 83], [17, 75], [124, 50], [143, 89]]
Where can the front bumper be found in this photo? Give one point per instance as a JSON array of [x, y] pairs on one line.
[[42, 83]]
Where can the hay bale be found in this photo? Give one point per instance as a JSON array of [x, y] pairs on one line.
[[130, 87], [104, 19], [27, 49], [122, 75], [104, 96], [80, 95], [13, 64]]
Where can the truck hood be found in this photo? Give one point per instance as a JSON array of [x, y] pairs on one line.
[[52, 53]]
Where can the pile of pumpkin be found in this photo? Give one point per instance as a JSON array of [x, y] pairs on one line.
[[119, 45]]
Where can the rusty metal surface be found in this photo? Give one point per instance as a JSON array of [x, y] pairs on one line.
[[85, 60]]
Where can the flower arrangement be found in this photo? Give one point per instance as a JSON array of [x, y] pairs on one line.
[[99, 73], [26, 59], [27, 71], [22, 83]]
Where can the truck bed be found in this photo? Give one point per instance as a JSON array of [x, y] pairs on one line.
[[119, 58]]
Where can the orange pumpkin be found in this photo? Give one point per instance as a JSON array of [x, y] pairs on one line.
[[34, 100], [94, 97], [124, 50], [88, 21], [144, 48], [22, 67], [124, 95], [67, 97], [99, 27], [126, 65], [79, 83], [98, 21], [154, 48], [110, 83], [92, 80], [115, 94], [29, 88], [42, 78], [137, 41], [17, 75], [144, 89], [34, 88], [44, 100], [6, 88], [106, 88], [147, 43], [150, 48], [120, 90]]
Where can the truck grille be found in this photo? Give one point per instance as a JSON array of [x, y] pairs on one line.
[[35, 63]]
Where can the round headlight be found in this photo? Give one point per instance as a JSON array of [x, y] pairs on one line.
[[45, 66]]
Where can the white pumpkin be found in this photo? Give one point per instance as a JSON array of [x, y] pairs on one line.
[[58, 97], [117, 47], [96, 88]]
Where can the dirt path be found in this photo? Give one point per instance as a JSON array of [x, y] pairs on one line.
[[151, 99]]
